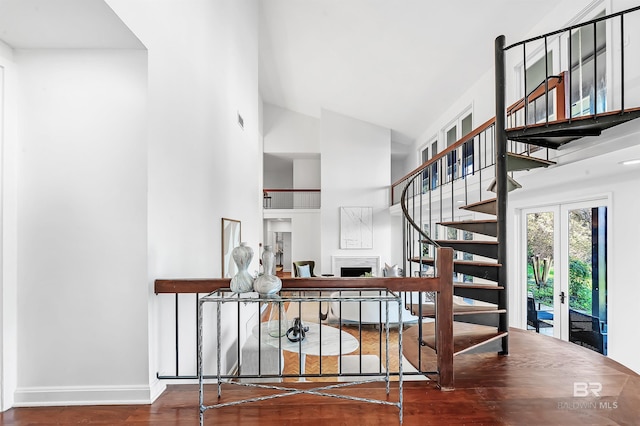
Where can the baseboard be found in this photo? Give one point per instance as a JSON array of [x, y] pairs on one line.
[[157, 387], [88, 395]]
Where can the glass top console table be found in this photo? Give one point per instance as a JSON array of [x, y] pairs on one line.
[[322, 339]]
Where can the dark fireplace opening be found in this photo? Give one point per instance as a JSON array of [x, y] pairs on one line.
[[354, 271]]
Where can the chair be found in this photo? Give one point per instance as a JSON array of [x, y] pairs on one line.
[[535, 317], [297, 272], [586, 330], [304, 269]]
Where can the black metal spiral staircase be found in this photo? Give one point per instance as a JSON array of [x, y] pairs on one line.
[[453, 193]]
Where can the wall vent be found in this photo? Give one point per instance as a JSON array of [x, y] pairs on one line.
[[240, 121]]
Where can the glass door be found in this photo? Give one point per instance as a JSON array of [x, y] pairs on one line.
[[541, 247], [584, 298], [566, 250]]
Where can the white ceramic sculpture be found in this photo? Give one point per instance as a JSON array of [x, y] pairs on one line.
[[268, 283], [242, 282]]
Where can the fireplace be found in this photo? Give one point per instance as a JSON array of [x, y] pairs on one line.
[[355, 265], [357, 271]]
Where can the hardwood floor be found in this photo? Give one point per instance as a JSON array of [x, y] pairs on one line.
[[534, 385]]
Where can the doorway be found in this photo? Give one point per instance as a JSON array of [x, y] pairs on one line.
[[566, 284]]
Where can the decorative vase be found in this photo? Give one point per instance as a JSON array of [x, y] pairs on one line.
[[278, 324], [267, 283], [242, 282]]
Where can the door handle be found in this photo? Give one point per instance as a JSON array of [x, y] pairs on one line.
[[562, 297]]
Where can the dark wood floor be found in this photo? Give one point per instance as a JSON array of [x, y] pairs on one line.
[[534, 385]]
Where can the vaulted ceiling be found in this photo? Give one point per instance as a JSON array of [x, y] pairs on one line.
[[389, 62], [63, 24], [393, 63]]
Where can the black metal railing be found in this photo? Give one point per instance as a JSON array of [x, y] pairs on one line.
[[291, 199], [588, 57], [334, 304], [347, 310]]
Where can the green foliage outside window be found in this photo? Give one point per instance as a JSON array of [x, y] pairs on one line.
[[540, 229]]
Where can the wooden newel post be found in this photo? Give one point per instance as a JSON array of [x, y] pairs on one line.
[[444, 318]]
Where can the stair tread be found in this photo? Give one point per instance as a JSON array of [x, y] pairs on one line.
[[467, 222], [483, 248], [487, 206], [465, 336], [584, 120], [479, 203], [557, 133], [429, 309], [528, 157], [430, 260], [479, 242], [478, 286], [486, 227]]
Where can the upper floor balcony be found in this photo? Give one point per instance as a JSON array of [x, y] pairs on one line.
[[291, 198]]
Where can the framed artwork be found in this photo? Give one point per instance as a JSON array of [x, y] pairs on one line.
[[231, 235], [356, 227]]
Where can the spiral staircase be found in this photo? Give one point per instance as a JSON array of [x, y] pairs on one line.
[[458, 199]]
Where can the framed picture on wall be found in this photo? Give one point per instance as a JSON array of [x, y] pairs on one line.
[[231, 235], [356, 227]]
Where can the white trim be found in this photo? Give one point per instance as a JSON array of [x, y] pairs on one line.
[[88, 395], [517, 296]]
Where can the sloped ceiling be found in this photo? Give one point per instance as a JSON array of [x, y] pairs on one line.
[[63, 24], [393, 63]]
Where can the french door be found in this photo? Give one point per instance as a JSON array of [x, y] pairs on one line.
[[566, 285]]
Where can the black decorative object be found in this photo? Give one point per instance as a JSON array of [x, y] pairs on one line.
[[297, 332]]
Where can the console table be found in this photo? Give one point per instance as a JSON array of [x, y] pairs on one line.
[[322, 340]]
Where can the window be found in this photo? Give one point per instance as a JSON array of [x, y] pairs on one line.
[[460, 128], [434, 167], [588, 86], [425, 174], [430, 174]]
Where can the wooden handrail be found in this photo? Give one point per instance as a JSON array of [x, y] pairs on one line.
[[558, 82], [555, 81], [290, 190], [208, 285], [442, 285], [466, 138]]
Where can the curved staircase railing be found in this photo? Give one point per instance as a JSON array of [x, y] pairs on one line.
[[451, 192]]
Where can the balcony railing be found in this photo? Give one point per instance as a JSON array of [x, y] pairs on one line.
[[291, 199], [475, 152], [178, 304], [470, 155]]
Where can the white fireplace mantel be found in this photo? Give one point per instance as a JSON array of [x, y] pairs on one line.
[[338, 262]]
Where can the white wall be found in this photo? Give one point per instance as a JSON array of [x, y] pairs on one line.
[[82, 227], [306, 237], [356, 158], [203, 71], [287, 131], [298, 135], [8, 225], [126, 163], [279, 179], [306, 173], [595, 177]]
